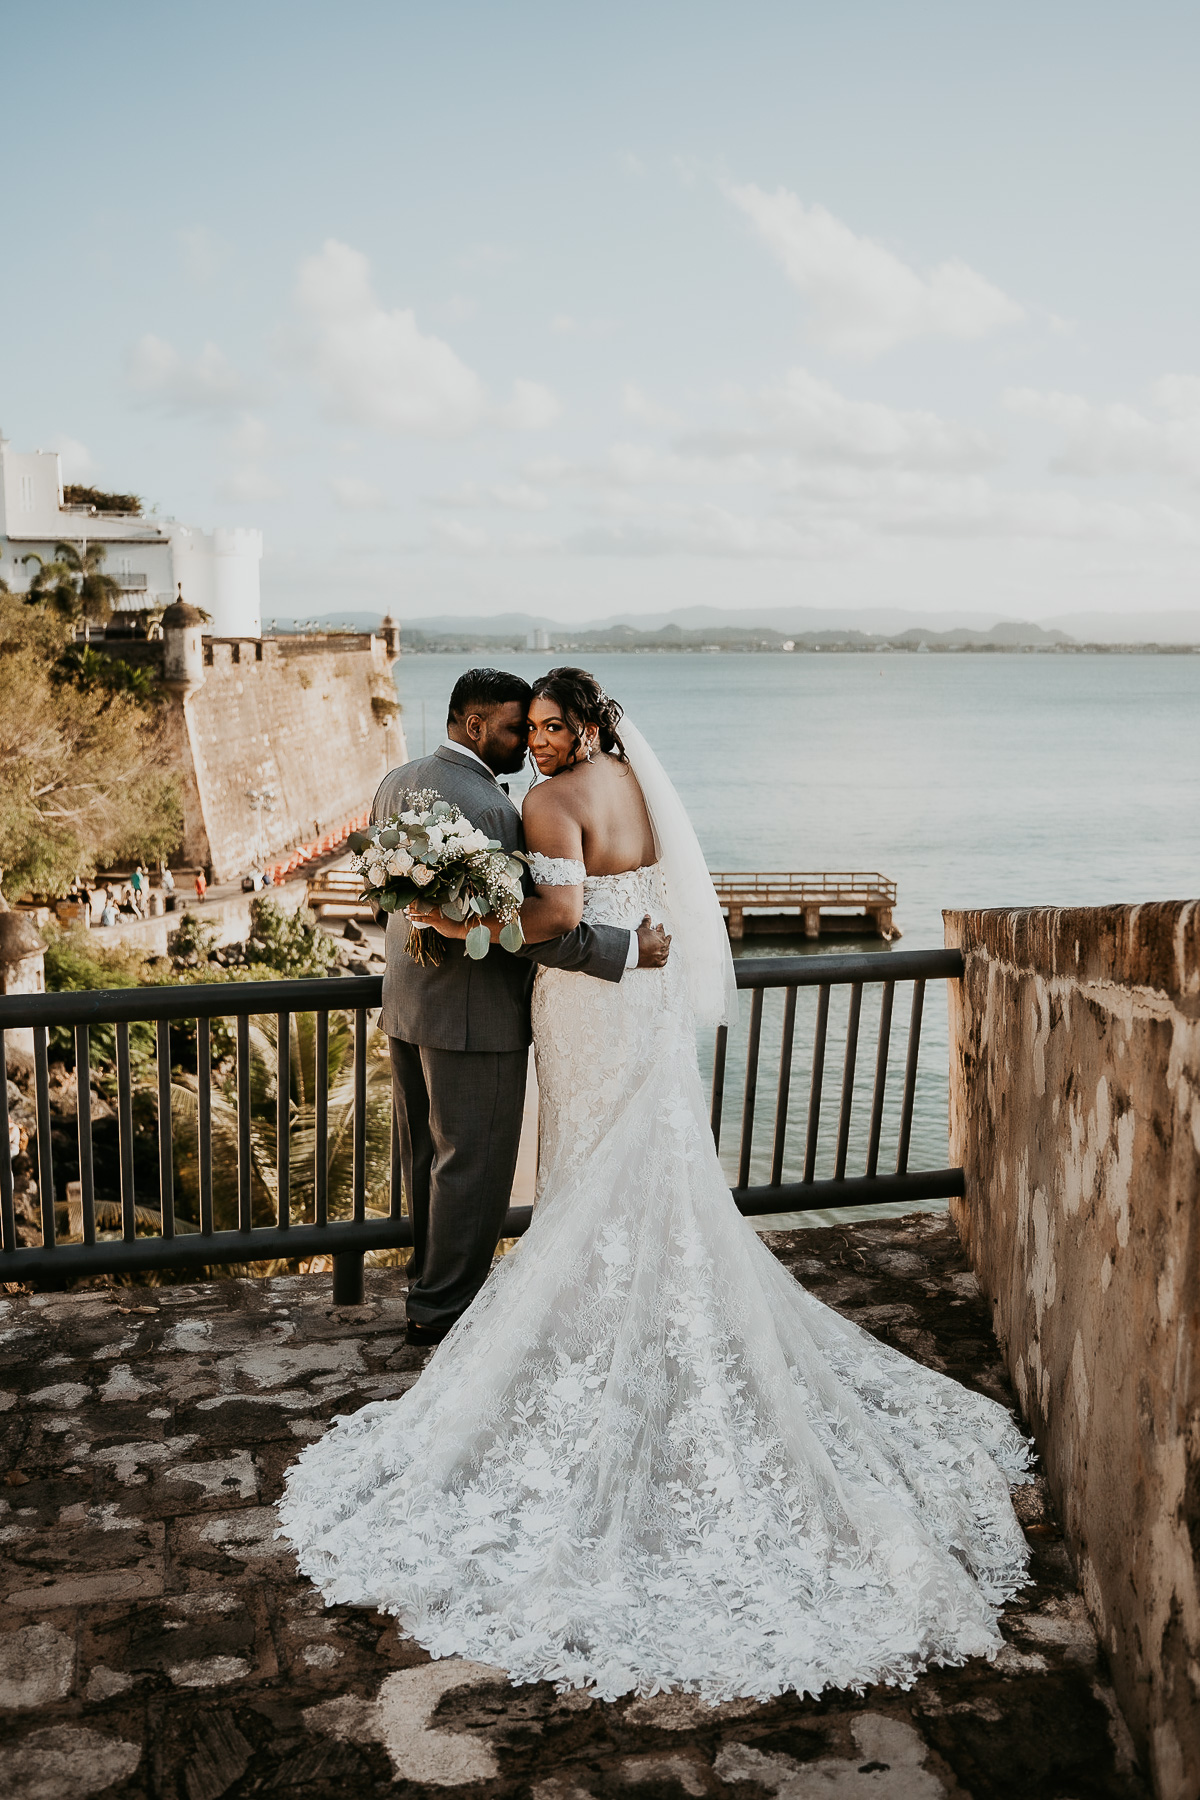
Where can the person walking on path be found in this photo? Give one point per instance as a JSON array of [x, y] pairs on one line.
[[201, 884]]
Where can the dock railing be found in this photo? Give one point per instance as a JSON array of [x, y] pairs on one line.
[[153, 1236]]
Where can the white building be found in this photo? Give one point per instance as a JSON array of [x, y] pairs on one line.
[[151, 558]]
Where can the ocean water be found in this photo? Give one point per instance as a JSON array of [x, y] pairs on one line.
[[971, 780]]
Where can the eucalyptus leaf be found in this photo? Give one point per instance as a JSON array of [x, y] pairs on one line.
[[441, 809], [478, 942], [455, 909], [388, 902], [359, 841], [512, 937], [389, 839]]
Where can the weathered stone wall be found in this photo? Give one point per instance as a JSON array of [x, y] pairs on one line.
[[298, 715], [1075, 1112]]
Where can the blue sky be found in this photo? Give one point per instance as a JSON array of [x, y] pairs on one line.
[[584, 310]]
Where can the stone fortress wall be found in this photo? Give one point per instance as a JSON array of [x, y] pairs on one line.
[[309, 724], [311, 721]]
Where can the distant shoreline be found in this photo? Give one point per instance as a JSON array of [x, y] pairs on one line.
[[494, 646]]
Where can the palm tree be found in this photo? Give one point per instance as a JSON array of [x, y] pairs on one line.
[[73, 584], [302, 1134]]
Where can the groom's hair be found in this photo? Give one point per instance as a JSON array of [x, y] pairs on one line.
[[480, 689]]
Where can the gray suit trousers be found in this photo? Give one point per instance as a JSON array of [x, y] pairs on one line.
[[458, 1113]]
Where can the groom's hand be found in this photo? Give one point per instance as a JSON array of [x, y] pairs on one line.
[[654, 946]]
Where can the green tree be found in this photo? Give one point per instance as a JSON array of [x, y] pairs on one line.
[[91, 670], [287, 943], [86, 775], [73, 584]]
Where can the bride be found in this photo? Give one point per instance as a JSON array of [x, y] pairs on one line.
[[646, 1458]]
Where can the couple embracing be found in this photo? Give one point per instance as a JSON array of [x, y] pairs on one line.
[[460, 1030], [643, 1457]]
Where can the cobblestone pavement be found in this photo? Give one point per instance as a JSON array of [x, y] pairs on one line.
[[156, 1640]]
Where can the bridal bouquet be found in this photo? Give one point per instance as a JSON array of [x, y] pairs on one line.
[[431, 853]]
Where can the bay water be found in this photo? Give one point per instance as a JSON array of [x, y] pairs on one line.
[[970, 780]]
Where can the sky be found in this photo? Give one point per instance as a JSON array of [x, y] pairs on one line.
[[584, 310]]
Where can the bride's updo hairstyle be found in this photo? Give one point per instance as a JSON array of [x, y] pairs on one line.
[[583, 702]]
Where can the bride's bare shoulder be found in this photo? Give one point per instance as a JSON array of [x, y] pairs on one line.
[[562, 794]]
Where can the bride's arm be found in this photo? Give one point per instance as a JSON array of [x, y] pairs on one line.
[[550, 831]]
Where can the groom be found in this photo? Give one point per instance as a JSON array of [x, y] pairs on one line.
[[460, 1030]]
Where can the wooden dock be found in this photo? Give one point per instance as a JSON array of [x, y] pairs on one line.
[[847, 901], [853, 902]]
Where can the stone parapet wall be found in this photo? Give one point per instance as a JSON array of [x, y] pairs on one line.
[[1075, 1114]]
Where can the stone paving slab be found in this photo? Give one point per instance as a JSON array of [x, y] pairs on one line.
[[155, 1639]]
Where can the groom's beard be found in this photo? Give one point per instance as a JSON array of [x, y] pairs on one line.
[[500, 760]]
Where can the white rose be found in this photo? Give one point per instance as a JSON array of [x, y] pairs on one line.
[[399, 863], [434, 834], [421, 875], [374, 873], [410, 818]]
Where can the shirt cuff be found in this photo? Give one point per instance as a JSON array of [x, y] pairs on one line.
[[631, 954]]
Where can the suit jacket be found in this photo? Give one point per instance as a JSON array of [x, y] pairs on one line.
[[461, 1004]]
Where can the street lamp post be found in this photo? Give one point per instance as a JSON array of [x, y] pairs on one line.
[[262, 800]]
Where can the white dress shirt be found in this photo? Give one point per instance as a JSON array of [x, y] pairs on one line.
[[449, 743]]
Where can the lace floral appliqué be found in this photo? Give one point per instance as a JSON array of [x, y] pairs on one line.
[[555, 871], [646, 1458]]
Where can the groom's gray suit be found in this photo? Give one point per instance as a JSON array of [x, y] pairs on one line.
[[460, 1035]]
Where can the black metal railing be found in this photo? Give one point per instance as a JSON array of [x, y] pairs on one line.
[[808, 1191], [182, 1244]]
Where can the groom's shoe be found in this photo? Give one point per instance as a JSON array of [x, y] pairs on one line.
[[427, 1335]]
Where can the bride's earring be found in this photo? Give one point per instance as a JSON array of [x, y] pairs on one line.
[[585, 747]]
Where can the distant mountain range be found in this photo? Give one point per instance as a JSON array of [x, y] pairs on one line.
[[689, 624]]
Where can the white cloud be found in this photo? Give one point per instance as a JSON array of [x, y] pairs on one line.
[[708, 531], [813, 420], [376, 367], [356, 495], [203, 254], [863, 298], [531, 408], [452, 534], [249, 482], [251, 438], [567, 325], [516, 496], [252, 485], [977, 509], [205, 383], [76, 459], [641, 407], [1118, 439]]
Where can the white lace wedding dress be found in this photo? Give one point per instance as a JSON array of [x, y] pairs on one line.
[[646, 1458]]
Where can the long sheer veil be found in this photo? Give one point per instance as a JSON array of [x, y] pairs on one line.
[[699, 939]]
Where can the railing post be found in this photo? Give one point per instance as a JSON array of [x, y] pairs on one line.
[[348, 1278]]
